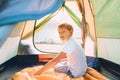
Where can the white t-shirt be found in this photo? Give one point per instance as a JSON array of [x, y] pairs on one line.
[[76, 58]]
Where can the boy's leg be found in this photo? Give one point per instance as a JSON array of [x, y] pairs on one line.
[[62, 67]]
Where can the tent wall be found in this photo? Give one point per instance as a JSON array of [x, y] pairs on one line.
[[28, 30], [109, 49], [10, 45], [107, 25], [26, 44], [107, 18], [90, 19], [4, 32]]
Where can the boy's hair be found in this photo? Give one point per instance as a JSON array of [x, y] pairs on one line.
[[66, 25]]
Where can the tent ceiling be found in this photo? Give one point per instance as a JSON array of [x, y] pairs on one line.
[[21, 10]]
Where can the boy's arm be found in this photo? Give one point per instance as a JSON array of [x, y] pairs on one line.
[[51, 63]]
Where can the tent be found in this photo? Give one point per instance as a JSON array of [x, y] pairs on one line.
[[100, 23], [13, 17]]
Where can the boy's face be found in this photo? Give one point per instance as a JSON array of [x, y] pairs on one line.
[[64, 34]]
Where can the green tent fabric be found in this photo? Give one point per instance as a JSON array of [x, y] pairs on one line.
[[107, 17], [73, 16]]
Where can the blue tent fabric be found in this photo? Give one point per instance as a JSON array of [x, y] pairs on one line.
[[21, 10]]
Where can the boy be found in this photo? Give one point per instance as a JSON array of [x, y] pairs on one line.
[[71, 60]]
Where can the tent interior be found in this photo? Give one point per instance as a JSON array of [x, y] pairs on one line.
[[29, 37]]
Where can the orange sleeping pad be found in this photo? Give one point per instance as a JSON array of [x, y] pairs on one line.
[[27, 74]]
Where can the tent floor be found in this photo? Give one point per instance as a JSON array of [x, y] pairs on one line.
[[109, 75], [7, 72], [22, 61]]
